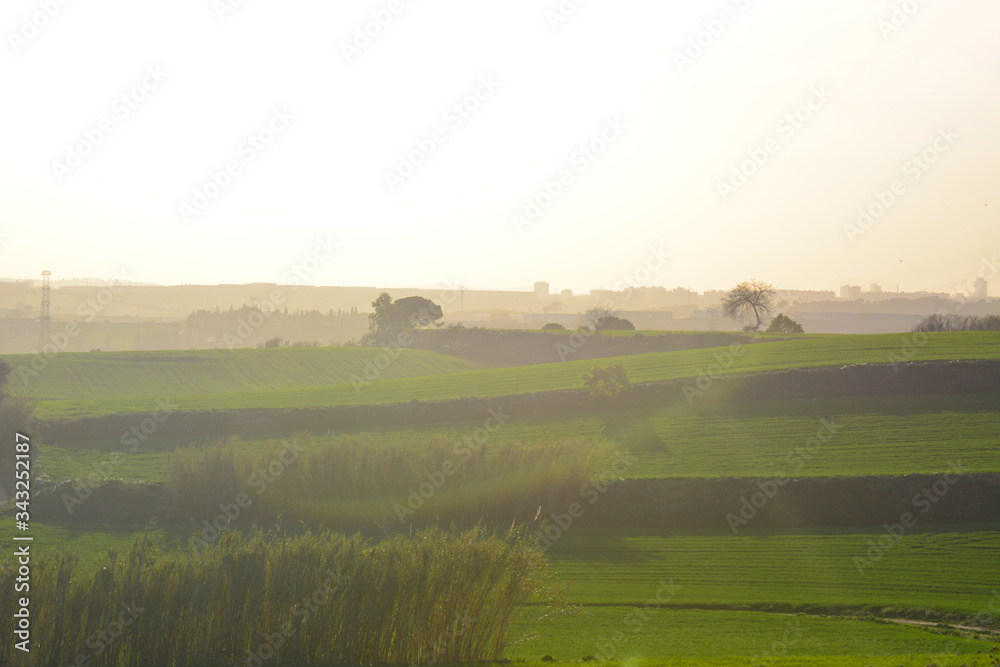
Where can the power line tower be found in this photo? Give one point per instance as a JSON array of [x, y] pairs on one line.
[[46, 319]]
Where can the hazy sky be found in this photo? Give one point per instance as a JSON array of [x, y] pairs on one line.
[[115, 113]]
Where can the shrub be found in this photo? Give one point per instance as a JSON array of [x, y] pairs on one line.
[[553, 326], [613, 323], [953, 322], [606, 382], [784, 324]]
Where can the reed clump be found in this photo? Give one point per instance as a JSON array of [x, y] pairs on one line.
[[265, 597]]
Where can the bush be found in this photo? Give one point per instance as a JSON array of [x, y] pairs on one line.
[[606, 382], [784, 324], [553, 326], [953, 322], [613, 323]]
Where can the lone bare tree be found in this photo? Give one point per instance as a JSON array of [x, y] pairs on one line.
[[749, 299], [595, 316]]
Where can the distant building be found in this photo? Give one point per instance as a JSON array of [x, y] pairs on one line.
[[541, 290], [806, 296], [980, 289], [876, 288], [850, 292], [566, 294]]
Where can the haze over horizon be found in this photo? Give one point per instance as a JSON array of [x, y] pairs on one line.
[[875, 100]]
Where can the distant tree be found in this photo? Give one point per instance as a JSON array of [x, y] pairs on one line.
[[378, 319], [595, 316], [416, 311], [388, 319], [613, 323], [276, 341], [606, 382], [749, 299], [553, 326], [553, 307], [783, 324]]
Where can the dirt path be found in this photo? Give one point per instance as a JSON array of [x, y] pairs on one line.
[[973, 628]]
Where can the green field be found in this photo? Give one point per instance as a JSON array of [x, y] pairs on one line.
[[112, 385], [944, 571], [947, 571], [766, 597], [613, 579], [121, 375], [633, 635], [886, 435]]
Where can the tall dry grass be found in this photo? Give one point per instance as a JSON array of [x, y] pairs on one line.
[[361, 481], [316, 598]]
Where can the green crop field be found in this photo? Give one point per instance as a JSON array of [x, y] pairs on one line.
[[945, 571], [444, 377], [119, 375], [766, 597], [630, 595], [641, 635], [886, 435]]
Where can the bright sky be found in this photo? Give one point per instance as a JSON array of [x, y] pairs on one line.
[[116, 112]]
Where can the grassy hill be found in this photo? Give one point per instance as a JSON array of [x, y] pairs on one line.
[[103, 384], [115, 375]]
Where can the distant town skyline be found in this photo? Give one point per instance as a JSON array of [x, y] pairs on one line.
[[977, 287]]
